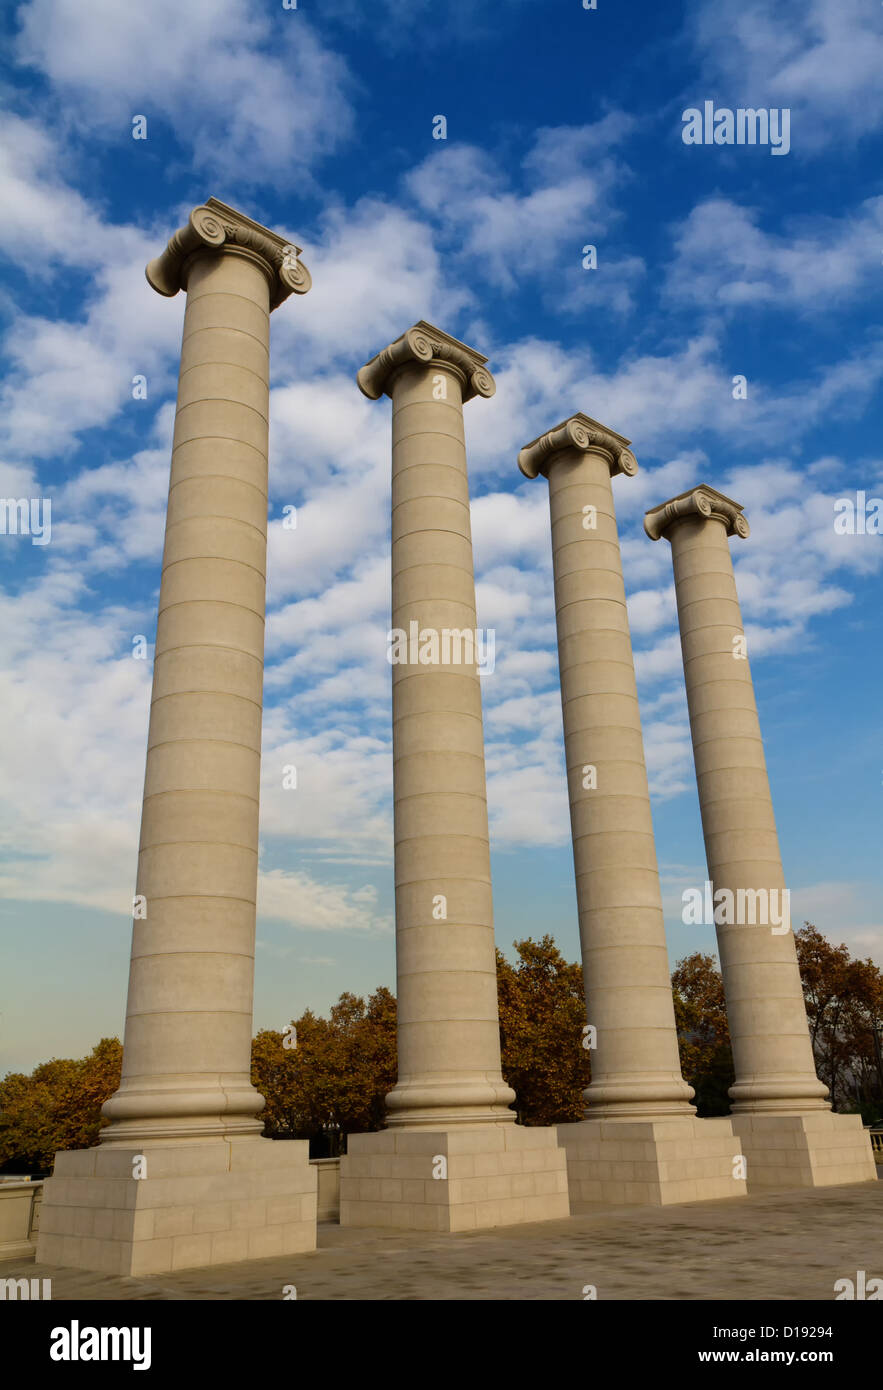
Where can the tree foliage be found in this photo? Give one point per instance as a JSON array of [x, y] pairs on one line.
[[844, 1005], [542, 1016], [57, 1107], [703, 1035], [333, 1082]]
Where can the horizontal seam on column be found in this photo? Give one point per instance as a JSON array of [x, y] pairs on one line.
[[613, 830], [595, 661], [182, 602], [614, 868], [227, 742], [212, 516], [580, 540], [431, 497], [429, 531], [201, 791], [441, 564], [226, 439], [711, 598], [222, 362], [206, 646], [226, 694], [221, 559], [708, 627], [593, 598], [229, 294], [185, 951], [422, 434], [465, 970], [442, 835], [226, 477], [210, 400], [628, 762], [600, 795], [718, 738], [398, 408], [160, 1013], [227, 844], [438, 753], [720, 800], [226, 328], [719, 680], [414, 796], [197, 897], [458, 878], [731, 767], [402, 673]]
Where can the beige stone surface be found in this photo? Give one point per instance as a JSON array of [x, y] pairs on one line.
[[448, 1032], [655, 1163], [200, 1203], [775, 1071], [790, 1246], [187, 1047], [635, 1065], [464, 1179]]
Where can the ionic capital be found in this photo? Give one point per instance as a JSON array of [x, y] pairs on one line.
[[701, 501], [579, 432], [426, 344], [216, 227]]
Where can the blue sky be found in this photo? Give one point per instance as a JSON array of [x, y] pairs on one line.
[[563, 130]]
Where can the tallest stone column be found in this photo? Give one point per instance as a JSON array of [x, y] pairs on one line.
[[182, 1176], [450, 1158]]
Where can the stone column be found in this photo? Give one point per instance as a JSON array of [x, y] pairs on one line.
[[186, 1102], [636, 1077], [776, 1090], [450, 1099]]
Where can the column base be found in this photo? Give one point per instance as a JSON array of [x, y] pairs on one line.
[[819, 1149], [201, 1203], [650, 1162], [465, 1179]]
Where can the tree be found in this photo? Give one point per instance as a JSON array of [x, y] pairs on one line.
[[335, 1080], [703, 1034], [57, 1107], [844, 1005], [542, 1017]]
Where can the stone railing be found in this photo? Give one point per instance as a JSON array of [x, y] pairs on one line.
[[19, 1217], [329, 1187], [877, 1143]]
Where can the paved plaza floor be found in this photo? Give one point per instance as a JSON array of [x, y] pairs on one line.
[[787, 1245]]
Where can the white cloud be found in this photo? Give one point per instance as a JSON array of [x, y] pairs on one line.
[[822, 58], [725, 261], [250, 95]]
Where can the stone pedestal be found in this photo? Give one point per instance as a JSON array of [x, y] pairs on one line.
[[186, 1089], [463, 1179], [450, 1089], [197, 1203], [636, 1077], [651, 1163], [787, 1131]]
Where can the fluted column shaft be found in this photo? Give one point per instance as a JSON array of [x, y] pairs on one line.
[[775, 1071], [635, 1066], [187, 1050], [448, 1028]]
